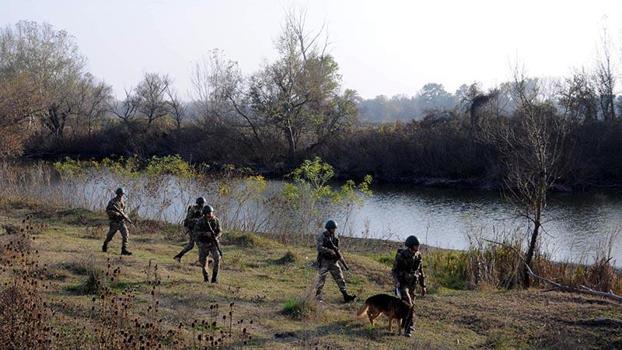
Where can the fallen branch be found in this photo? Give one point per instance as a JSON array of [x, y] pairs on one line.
[[581, 289]]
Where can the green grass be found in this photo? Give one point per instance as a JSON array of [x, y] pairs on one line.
[[267, 281]]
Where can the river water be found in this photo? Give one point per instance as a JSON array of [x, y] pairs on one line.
[[576, 226]]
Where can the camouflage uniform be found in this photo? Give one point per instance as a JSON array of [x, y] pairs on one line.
[[206, 232], [407, 272], [327, 262], [192, 216], [115, 207]]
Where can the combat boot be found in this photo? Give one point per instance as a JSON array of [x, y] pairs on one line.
[[408, 326], [347, 297], [125, 252]]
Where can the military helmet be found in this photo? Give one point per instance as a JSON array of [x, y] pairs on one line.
[[207, 209], [330, 224], [411, 241], [119, 191], [200, 201]]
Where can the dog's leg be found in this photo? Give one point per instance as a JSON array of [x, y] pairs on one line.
[[373, 316], [390, 324]]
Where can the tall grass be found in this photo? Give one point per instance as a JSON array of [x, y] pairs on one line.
[[161, 188]]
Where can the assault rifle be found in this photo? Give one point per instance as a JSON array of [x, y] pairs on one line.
[[122, 214], [332, 246], [216, 243]]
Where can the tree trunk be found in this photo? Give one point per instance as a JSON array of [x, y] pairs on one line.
[[291, 142], [530, 253]]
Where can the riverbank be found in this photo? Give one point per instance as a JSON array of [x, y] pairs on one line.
[[265, 281]]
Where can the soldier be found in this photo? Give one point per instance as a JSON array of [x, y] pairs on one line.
[[327, 258], [206, 233], [116, 215], [407, 272], [193, 214]]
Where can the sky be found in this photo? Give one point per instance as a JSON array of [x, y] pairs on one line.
[[383, 47]]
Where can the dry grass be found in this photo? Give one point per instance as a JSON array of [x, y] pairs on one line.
[[148, 299]]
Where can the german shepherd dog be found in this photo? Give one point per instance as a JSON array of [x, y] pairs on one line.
[[391, 306]]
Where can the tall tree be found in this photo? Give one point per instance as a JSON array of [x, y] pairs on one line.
[[151, 93], [51, 60]]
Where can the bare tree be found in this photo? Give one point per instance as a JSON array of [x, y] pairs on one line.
[[94, 99], [577, 97], [177, 108], [532, 144], [221, 95], [299, 94], [151, 94], [605, 80], [127, 108]]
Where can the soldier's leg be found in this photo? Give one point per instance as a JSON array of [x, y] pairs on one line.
[[409, 322], [203, 252], [124, 238], [321, 279], [335, 271], [113, 227], [216, 261], [188, 247]]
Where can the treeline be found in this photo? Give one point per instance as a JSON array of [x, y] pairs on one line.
[[295, 108]]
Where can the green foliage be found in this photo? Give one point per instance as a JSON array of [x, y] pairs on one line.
[[125, 167], [128, 167], [447, 268], [69, 167], [386, 259], [313, 177], [168, 165], [299, 308]]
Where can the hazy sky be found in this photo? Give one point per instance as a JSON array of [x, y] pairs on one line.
[[382, 47]]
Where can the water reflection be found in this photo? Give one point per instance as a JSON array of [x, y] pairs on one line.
[[575, 224]]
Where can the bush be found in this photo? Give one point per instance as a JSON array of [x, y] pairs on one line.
[[447, 268], [299, 308], [288, 258]]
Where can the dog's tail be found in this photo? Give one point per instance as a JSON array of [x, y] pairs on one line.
[[362, 310]]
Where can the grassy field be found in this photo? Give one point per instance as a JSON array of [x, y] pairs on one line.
[[263, 277]]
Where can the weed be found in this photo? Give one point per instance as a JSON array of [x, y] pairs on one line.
[[299, 308], [288, 258]]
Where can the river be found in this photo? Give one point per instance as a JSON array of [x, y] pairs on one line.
[[576, 228]]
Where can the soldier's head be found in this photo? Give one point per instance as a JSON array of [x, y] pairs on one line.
[[412, 243], [330, 226], [119, 192], [208, 211], [200, 201]]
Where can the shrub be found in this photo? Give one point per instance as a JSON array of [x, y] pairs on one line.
[[288, 258], [299, 308]]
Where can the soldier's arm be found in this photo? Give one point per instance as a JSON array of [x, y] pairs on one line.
[[321, 248], [113, 209], [421, 275], [216, 228], [189, 213]]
